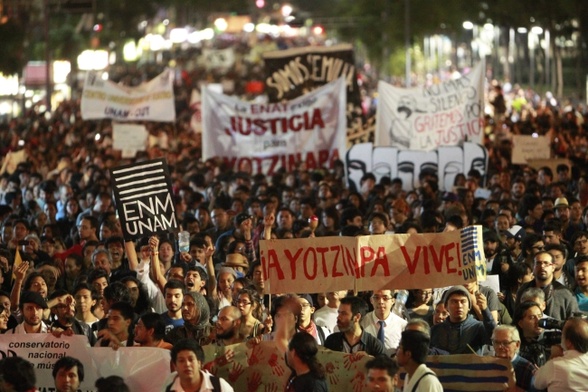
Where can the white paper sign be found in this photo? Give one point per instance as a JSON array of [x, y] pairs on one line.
[[129, 137]]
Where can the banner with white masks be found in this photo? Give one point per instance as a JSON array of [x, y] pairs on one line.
[[263, 137], [150, 101], [425, 118]]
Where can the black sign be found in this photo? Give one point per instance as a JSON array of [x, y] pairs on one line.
[[142, 193]]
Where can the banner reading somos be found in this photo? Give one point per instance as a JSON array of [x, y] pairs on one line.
[[395, 261], [265, 137], [424, 118], [150, 101]]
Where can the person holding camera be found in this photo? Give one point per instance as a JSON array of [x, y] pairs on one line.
[[535, 342], [567, 371]]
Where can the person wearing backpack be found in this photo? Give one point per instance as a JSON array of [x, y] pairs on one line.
[[187, 357], [412, 354]]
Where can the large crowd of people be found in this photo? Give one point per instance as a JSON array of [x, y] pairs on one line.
[[76, 274]]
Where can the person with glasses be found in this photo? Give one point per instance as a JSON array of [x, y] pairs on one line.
[[560, 303], [506, 342], [382, 323], [150, 331], [249, 305], [305, 322]]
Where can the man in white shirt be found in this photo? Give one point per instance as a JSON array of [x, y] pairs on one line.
[[187, 357], [567, 372], [412, 354], [327, 315], [382, 317]]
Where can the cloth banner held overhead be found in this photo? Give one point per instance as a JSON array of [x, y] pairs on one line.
[[143, 368], [266, 137], [424, 118], [365, 263], [143, 197], [293, 72], [150, 101]]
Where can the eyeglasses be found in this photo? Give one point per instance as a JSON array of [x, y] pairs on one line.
[[384, 298], [543, 264], [580, 242], [499, 343], [244, 303]]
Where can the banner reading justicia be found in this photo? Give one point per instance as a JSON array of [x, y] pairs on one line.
[[267, 136]]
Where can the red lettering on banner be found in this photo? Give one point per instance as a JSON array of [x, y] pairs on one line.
[[382, 260], [378, 257], [411, 263], [351, 263], [273, 262], [322, 251], [292, 260], [445, 256], [335, 273], [313, 264], [258, 126], [459, 258], [313, 160], [269, 108], [449, 257]]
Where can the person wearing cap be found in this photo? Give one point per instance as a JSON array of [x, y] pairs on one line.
[[562, 212], [560, 302], [305, 322], [514, 237], [238, 263], [461, 333], [242, 231], [32, 305]]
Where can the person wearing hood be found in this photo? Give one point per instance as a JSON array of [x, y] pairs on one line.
[[196, 315]]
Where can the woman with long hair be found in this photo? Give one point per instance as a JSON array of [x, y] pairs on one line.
[[250, 306], [307, 372]]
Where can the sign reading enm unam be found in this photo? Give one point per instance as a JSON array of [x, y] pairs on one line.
[[142, 193]]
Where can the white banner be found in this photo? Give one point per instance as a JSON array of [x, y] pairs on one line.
[[143, 369], [265, 137], [150, 101], [218, 59], [424, 118]]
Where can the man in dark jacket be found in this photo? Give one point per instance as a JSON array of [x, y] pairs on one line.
[[351, 338], [461, 333], [560, 302]]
